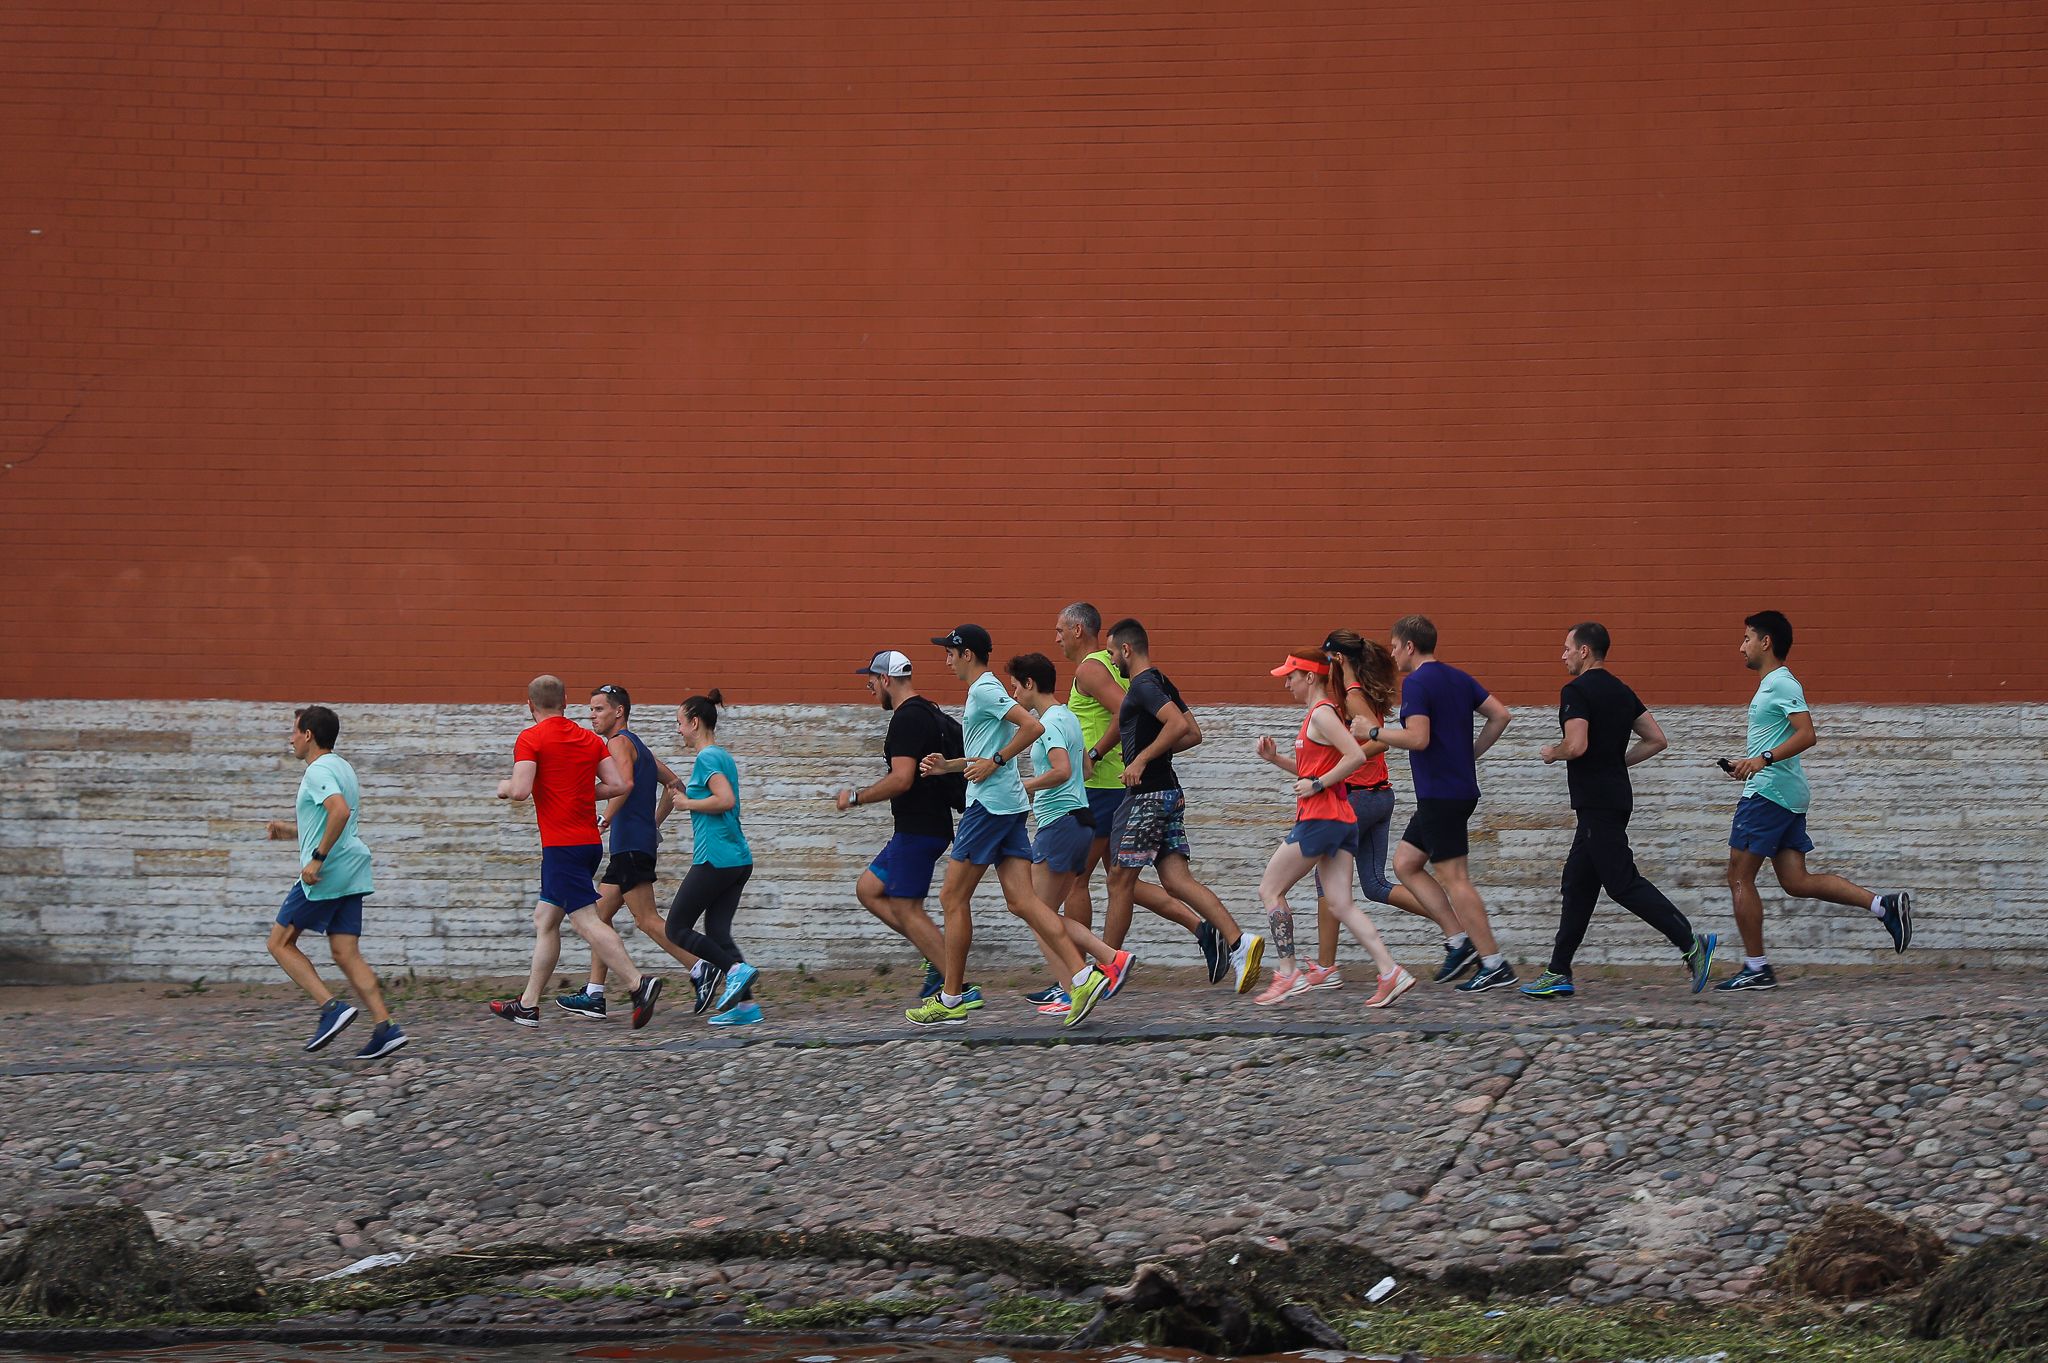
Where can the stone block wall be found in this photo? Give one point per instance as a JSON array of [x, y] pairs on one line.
[[132, 846]]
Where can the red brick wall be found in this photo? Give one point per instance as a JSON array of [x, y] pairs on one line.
[[381, 351]]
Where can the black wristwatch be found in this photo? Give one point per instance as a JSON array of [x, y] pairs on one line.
[[1000, 760], [1769, 757], [1372, 735], [319, 856], [1316, 785]]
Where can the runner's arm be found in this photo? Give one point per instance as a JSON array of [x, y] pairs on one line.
[[665, 803], [902, 776], [1099, 686], [1497, 719], [1269, 749], [1331, 731], [611, 781], [278, 830], [1058, 767], [1573, 744], [1649, 742], [718, 801], [1174, 726], [1193, 737], [1803, 737], [622, 753], [336, 806], [1028, 731], [1410, 735], [519, 785]]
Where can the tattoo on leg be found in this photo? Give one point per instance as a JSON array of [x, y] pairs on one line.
[[1282, 921]]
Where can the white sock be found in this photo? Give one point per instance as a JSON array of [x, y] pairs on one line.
[[1877, 905], [1452, 943], [697, 971], [594, 989], [951, 1000], [1492, 962], [1755, 962], [1082, 976]]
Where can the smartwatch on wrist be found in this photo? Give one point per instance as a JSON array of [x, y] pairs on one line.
[[1316, 785], [1769, 757], [319, 856], [1372, 735], [1000, 761]]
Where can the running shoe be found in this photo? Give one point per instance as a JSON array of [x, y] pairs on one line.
[[736, 981], [707, 982], [1057, 1005], [1322, 976], [1246, 960], [740, 1015], [334, 1015], [1285, 984], [1551, 985], [1457, 960], [582, 1003], [971, 999], [1745, 978], [933, 1012], [1389, 988], [1118, 970], [1699, 959], [934, 981], [644, 998], [1045, 995], [388, 1037], [1093, 989], [1898, 918], [1499, 977], [512, 1010], [1211, 943]]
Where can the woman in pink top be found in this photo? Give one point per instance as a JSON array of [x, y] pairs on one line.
[[1324, 830]]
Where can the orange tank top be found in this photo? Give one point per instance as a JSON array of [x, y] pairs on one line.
[[1313, 759]]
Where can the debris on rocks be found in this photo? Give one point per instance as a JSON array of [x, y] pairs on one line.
[[1857, 1252], [1996, 1297], [105, 1263]]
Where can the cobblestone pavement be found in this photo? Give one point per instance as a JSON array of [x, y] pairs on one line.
[[1673, 1140]]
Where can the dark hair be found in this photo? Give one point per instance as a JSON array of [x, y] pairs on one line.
[[704, 709], [1035, 668], [1371, 662], [1131, 634], [617, 695], [1592, 634], [1774, 626], [1416, 630], [1084, 615], [321, 722]]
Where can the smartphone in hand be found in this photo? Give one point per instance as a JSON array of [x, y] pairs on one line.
[[1725, 765]]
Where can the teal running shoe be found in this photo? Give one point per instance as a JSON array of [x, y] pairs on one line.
[[1699, 958], [1550, 985]]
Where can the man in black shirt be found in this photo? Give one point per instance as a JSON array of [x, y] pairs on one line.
[[1150, 827], [898, 882], [1599, 713]]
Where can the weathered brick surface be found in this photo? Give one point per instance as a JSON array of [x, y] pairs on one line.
[[145, 859]]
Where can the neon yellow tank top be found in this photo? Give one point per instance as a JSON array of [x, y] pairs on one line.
[[1095, 722]]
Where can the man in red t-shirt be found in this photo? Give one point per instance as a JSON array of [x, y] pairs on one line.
[[567, 769]]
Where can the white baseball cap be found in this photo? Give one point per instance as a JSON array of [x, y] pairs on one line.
[[887, 663]]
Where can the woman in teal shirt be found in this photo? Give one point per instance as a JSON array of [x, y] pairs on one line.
[[720, 864]]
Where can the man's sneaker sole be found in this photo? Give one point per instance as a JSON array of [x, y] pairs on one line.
[[580, 1012], [936, 1022], [510, 1016], [334, 1029], [1729, 985], [1905, 937], [1476, 986], [1248, 973], [643, 1007], [379, 1052]]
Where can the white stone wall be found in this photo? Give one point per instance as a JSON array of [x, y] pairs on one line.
[[132, 847]]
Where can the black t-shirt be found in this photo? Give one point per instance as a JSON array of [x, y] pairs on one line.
[[914, 733], [1599, 780], [1138, 722]]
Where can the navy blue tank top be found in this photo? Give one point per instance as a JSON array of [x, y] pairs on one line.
[[633, 830]]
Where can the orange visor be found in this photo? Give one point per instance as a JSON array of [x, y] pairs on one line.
[[1296, 663]]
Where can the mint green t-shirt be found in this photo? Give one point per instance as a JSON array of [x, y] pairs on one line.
[[986, 731], [1779, 696], [1062, 730], [347, 868], [716, 839]]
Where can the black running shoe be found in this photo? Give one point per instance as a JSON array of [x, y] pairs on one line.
[[1898, 919], [1457, 960], [1745, 978], [644, 998], [707, 984], [1499, 977], [512, 1010], [1213, 951]]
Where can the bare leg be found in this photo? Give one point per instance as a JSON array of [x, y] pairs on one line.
[[1471, 909], [1079, 906], [956, 899], [905, 917], [547, 951], [1794, 879], [1411, 865], [1155, 898], [640, 899], [1284, 870], [1056, 887], [606, 907], [1749, 905], [605, 946], [1336, 872], [284, 949], [347, 952], [1015, 875], [1326, 934], [1180, 882], [1116, 919]]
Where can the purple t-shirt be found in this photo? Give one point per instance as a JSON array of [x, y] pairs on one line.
[[1445, 770]]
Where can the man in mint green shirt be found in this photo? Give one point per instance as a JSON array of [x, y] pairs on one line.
[[1770, 819], [993, 831], [334, 878]]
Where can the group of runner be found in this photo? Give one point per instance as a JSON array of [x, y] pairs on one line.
[[1102, 792]]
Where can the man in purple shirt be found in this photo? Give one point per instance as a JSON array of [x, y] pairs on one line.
[[1437, 705]]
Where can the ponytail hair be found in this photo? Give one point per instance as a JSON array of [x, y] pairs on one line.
[[704, 709], [1373, 664]]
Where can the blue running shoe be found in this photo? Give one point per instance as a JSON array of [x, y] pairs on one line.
[[1699, 958], [736, 981], [1045, 995], [388, 1037], [1898, 918], [934, 981], [1457, 960], [1499, 977], [582, 1003], [1550, 985], [1214, 954], [971, 1000], [740, 1016], [334, 1015]]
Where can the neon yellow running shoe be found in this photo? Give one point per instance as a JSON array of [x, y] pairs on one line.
[[933, 1012], [1083, 997]]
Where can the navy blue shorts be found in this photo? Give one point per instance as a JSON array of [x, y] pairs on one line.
[[904, 865], [566, 874], [1063, 844], [983, 839], [338, 917], [1765, 827], [1102, 807], [1317, 838]]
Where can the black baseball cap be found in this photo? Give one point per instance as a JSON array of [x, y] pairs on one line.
[[973, 638]]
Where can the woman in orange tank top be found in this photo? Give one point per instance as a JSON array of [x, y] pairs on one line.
[[1324, 754]]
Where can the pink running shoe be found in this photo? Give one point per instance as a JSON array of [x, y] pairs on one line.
[[1283, 987], [1058, 1008], [1118, 970], [1323, 976], [1391, 987]]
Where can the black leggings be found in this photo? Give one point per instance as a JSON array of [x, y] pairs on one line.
[[1600, 859], [711, 893]]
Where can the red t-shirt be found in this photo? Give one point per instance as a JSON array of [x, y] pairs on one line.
[[565, 786], [1374, 772]]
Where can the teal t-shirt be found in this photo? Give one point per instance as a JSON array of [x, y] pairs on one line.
[[716, 839], [1062, 730], [347, 868], [1779, 696], [986, 732]]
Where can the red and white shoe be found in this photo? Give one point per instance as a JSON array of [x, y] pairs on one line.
[[1283, 986], [1117, 971], [1391, 987], [1323, 976]]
